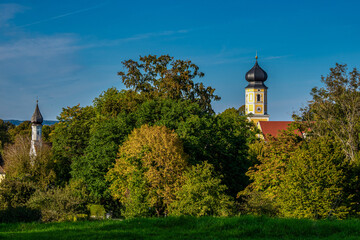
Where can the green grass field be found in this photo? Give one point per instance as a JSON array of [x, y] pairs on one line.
[[245, 227]]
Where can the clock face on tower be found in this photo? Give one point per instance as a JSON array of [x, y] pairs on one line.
[[258, 109]]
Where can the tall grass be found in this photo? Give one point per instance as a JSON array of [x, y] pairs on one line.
[[244, 227]]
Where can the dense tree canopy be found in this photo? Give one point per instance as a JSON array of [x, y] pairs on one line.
[[223, 141], [165, 77], [158, 148], [315, 182], [112, 102], [100, 154], [70, 138]]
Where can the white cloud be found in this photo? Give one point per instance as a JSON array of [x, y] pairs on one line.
[[44, 47], [7, 12]]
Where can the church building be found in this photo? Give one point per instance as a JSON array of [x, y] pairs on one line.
[[256, 103]]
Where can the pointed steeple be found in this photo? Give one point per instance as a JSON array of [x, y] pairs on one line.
[[37, 118]]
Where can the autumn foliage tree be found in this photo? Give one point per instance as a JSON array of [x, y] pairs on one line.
[[20, 165], [148, 170], [24, 173]]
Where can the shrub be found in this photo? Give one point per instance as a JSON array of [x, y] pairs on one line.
[[15, 192], [58, 204], [19, 214], [202, 194], [97, 211], [257, 203], [315, 182]]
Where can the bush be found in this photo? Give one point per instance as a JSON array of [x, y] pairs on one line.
[[202, 194], [257, 203], [59, 204], [97, 211], [315, 182], [19, 214], [15, 192]]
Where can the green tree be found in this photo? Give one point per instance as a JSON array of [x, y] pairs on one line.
[[112, 102], [233, 134], [315, 182], [137, 203], [223, 141], [23, 129], [46, 133], [202, 194], [100, 155], [70, 138], [166, 112], [5, 136], [107, 133], [335, 109], [153, 156], [267, 175], [165, 77]]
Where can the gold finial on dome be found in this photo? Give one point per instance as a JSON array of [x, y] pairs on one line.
[[256, 57]]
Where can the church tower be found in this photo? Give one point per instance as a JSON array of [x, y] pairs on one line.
[[36, 126], [256, 94]]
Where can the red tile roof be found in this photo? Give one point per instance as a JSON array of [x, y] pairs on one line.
[[274, 127]]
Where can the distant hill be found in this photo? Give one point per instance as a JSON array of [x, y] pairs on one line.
[[17, 122]]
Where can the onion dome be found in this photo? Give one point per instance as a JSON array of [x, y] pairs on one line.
[[37, 117], [256, 73], [256, 76]]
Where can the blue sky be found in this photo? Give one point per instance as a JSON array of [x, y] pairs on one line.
[[68, 52]]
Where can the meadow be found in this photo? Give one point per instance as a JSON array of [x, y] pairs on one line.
[[243, 227]]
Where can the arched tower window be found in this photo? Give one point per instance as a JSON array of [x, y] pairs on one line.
[[258, 96]]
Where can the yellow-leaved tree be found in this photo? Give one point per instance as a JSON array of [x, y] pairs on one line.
[[148, 171]]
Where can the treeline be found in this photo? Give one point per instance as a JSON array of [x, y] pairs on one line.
[[158, 149]]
